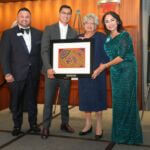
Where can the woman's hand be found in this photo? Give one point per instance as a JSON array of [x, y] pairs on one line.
[[98, 70], [50, 73], [95, 73], [9, 78], [82, 37]]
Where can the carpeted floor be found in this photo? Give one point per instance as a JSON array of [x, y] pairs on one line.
[[60, 140]]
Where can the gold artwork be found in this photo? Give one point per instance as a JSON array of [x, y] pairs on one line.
[[71, 58]]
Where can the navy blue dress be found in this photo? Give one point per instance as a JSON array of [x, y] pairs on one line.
[[92, 93]]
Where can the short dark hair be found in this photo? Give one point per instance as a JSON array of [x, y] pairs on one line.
[[65, 6], [24, 9], [120, 27]]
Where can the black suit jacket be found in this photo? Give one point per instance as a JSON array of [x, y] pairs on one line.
[[15, 56]]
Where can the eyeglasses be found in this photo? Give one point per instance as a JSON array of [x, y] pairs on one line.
[[64, 13]]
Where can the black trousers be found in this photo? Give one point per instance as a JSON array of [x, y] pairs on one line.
[[20, 91], [25, 105]]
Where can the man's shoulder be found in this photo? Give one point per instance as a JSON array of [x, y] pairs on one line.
[[52, 26], [72, 30], [71, 27], [36, 30], [9, 30]]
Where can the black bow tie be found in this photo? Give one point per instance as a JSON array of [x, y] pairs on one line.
[[24, 30]]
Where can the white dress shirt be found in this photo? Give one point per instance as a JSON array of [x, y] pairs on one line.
[[63, 30], [27, 38]]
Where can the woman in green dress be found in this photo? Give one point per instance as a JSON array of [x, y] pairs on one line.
[[126, 126]]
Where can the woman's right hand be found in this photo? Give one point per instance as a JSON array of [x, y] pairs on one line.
[[50, 73]]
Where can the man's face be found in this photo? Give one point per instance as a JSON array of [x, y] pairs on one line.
[[24, 19], [65, 15]]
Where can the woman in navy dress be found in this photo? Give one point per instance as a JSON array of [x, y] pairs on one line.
[[92, 92]]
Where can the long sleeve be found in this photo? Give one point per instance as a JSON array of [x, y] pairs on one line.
[[124, 45], [45, 48], [6, 52]]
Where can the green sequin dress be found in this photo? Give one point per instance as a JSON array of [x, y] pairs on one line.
[[126, 126]]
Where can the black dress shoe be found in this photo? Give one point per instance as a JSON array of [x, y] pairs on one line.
[[45, 133], [110, 146], [16, 131], [35, 129], [67, 128], [98, 137], [86, 132]]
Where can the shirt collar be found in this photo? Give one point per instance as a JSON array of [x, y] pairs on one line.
[[23, 27], [62, 25]]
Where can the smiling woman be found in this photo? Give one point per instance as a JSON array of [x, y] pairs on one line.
[[126, 126]]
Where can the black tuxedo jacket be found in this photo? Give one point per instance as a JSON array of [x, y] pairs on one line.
[[15, 56]]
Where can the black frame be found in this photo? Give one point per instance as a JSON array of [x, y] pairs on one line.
[[70, 41]]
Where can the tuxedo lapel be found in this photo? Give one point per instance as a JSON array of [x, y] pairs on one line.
[[32, 39]]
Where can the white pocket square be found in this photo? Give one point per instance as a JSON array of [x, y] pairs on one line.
[[19, 34]]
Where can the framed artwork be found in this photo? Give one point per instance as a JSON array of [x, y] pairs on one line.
[[71, 58]]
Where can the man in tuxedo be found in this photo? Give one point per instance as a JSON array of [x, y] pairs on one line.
[[60, 30], [21, 63]]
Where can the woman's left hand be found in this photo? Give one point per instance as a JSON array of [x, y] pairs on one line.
[[81, 37]]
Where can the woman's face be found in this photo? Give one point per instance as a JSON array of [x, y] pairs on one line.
[[89, 25], [110, 23]]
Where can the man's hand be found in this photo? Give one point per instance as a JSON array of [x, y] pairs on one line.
[[50, 73], [9, 78]]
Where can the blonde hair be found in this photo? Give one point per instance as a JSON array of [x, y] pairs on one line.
[[91, 16]]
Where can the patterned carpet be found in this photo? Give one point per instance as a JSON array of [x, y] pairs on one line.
[[59, 140]]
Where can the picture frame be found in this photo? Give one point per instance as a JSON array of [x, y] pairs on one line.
[[71, 57]]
